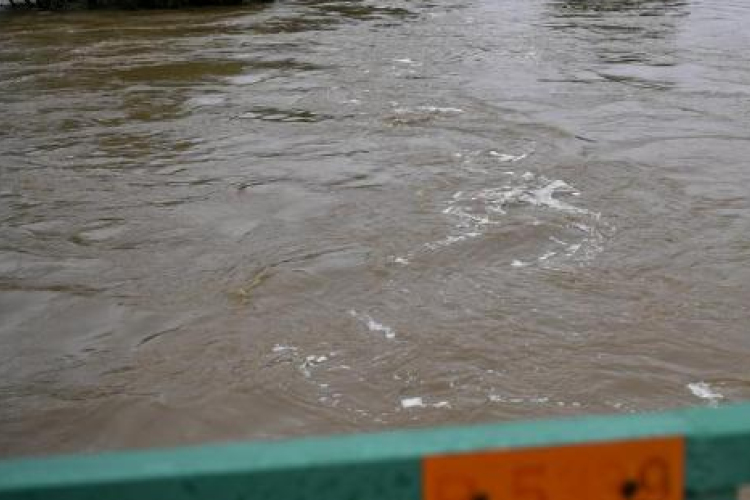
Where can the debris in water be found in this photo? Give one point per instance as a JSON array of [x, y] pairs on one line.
[[373, 325], [412, 403], [705, 391]]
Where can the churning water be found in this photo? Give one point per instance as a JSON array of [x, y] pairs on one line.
[[325, 216]]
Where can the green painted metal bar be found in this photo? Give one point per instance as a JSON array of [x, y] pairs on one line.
[[384, 466]]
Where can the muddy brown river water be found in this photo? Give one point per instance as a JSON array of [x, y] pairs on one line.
[[314, 217]]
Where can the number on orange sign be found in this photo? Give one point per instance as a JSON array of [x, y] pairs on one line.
[[528, 483], [653, 480]]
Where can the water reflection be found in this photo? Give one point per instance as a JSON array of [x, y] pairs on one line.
[[320, 16], [621, 31], [630, 42], [640, 7]]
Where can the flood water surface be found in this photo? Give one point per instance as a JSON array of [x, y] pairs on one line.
[[317, 217]]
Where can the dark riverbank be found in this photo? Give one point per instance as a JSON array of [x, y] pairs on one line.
[[57, 5]]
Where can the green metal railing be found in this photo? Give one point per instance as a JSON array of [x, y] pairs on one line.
[[701, 453]]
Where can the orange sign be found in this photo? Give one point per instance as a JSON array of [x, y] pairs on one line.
[[648, 469]]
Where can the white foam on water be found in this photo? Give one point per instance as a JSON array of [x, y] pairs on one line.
[[283, 348], [415, 402], [468, 218], [535, 191], [407, 61], [428, 109], [476, 212], [418, 402], [373, 325], [450, 240], [440, 110], [496, 398], [544, 197], [558, 241], [311, 361], [506, 158], [704, 391], [547, 255]]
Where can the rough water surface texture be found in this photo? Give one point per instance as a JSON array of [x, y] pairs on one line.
[[316, 217]]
